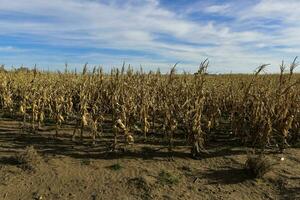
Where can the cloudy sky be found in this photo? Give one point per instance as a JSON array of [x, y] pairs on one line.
[[235, 35]]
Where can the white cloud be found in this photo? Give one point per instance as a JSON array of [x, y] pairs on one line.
[[6, 48], [217, 8], [137, 26], [286, 10]]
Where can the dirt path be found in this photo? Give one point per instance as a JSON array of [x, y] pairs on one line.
[[78, 171]]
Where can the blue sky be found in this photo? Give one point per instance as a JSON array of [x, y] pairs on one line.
[[235, 35]]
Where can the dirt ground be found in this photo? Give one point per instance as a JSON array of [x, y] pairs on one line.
[[71, 170]]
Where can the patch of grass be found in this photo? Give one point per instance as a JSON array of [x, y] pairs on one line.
[[166, 178], [85, 162], [140, 183], [29, 159], [141, 187], [115, 167], [258, 165]]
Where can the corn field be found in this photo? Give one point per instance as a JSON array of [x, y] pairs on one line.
[[260, 110]]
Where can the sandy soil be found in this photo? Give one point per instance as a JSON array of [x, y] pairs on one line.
[[72, 170]]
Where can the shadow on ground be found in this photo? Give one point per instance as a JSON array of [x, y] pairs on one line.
[[226, 176], [12, 141]]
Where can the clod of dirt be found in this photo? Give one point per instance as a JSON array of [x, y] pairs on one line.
[[115, 167], [37, 196], [186, 168], [140, 183], [29, 159]]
